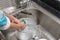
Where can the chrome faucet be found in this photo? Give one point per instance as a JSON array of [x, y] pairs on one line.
[[24, 3]]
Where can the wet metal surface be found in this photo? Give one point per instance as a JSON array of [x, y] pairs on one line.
[[50, 26]]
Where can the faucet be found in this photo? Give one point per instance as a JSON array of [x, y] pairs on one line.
[[24, 3]]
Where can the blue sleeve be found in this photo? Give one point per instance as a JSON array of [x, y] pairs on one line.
[[3, 20]]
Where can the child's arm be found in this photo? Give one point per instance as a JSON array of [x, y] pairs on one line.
[[15, 23]]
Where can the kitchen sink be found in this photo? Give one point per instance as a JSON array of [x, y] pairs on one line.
[[28, 13], [47, 25], [35, 14]]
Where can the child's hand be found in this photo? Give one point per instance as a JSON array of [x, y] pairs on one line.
[[19, 26], [15, 23]]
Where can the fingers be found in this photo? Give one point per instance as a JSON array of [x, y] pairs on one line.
[[13, 26], [18, 27], [22, 26], [15, 21]]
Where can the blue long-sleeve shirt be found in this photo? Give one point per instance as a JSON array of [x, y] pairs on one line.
[[4, 21]]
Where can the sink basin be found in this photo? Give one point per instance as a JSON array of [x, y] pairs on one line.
[[35, 14], [46, 21], [29, 13], [48, 27]]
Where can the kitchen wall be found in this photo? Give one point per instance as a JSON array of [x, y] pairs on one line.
[[6, 3]]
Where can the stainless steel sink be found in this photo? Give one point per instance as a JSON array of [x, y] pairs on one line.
[[37, 16], [26, 14], [48, 27]]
